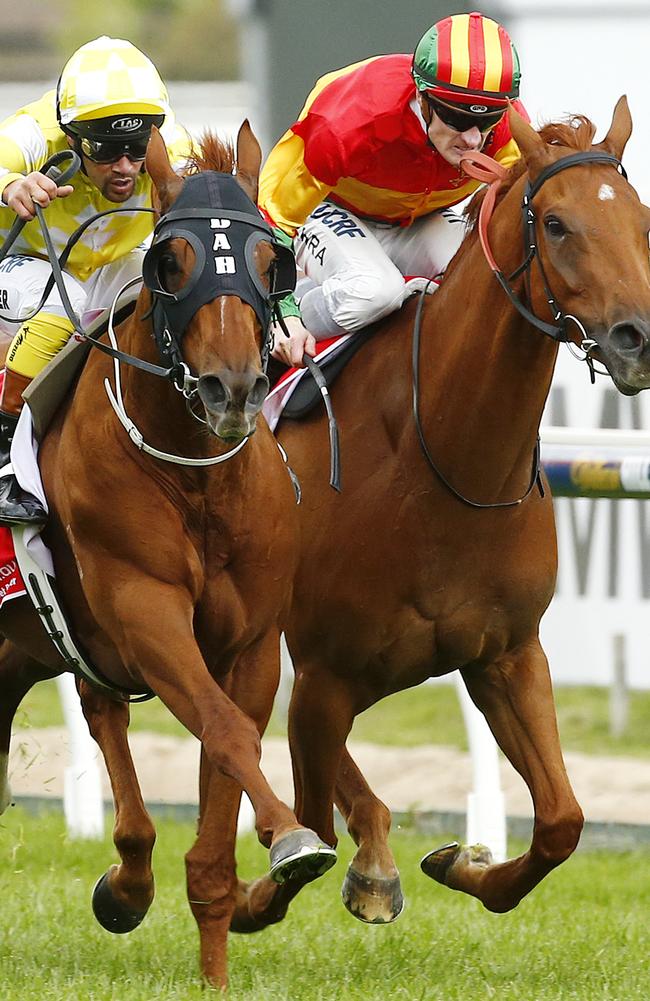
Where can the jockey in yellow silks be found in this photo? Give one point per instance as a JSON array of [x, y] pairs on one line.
[[107, 99], [364, 180]]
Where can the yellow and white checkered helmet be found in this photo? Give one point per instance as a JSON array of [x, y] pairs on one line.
[[109, 77]]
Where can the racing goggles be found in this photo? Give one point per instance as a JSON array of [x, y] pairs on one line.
[[112, 150], [462, 121]]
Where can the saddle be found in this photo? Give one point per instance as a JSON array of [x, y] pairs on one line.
[[49, 388], [306, 394]]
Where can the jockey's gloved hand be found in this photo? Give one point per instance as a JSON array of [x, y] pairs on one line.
[[290, 350]]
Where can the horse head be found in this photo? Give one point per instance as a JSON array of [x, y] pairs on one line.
[[212, 269], [591, 235]]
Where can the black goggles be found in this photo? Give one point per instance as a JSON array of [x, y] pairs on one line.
[[462, 121], [112, 150]]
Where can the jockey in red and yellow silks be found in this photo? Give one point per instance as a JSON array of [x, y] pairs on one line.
[[365, 177]]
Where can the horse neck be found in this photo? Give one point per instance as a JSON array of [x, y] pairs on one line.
[[493, 370]]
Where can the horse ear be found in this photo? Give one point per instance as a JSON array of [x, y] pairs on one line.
[[249, 160], [531, 145], [619, 131], [165, 181]]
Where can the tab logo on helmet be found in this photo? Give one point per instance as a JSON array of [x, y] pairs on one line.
[[478, 109], [126, 124]]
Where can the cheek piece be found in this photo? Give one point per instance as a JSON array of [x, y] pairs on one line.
[[224, 242]]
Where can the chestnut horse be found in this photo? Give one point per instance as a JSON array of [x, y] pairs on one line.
[[177, 577], [439, 554]]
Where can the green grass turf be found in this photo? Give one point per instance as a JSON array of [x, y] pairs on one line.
[[582, 934], [429, 714]]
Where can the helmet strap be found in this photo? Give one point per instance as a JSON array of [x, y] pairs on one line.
[[76, 146]]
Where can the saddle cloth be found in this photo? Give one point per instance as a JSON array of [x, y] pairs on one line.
[[277, 402], [295, 393], [25, 467], [43, 398]]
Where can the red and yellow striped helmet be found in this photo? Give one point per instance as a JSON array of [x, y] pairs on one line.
[[467, 59]]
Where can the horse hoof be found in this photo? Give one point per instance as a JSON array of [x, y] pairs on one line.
[[111, 914], [437, 864], [300, 855], [375, 901]]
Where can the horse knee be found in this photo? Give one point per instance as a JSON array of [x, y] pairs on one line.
[[558, 839]]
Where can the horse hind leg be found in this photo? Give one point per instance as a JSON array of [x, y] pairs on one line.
[[516, 699], [123, 895], [371, 889], [324, 772]]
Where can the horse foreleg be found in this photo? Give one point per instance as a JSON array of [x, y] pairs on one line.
[[264, 901], [165, 653], [320, 719], [18, 673], [371, 889], [123, 895], [210, 868], [516, 698]]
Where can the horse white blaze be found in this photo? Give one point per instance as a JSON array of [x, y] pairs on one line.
[[606, 193]]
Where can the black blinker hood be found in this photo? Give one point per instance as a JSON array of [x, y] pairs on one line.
[[223, 226]]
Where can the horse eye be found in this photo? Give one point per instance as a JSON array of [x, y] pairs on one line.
[[168, 271], [554, 227], [168, 264]]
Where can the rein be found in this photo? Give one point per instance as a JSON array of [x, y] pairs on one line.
[[483, 168], [178, 372], [535, 476]]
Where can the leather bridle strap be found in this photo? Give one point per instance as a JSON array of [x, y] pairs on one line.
[[485, 169]]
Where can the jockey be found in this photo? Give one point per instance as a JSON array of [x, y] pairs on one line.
[[107, 99], [364, 180]]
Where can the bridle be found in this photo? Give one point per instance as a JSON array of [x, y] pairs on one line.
[[171, 312], [484, 168]]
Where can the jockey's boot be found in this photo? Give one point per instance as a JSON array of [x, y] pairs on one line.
[[16, 508]]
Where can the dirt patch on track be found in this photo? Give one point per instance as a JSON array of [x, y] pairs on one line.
[[420, 778]]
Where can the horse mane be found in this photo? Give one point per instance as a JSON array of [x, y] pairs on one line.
[[211, 153], [575, 134]]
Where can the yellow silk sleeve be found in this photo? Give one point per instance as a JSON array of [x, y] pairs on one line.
[[508, 154], [288, 191]]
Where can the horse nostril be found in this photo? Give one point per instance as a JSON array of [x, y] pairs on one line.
[[257, 394], [628, 338], [214, 394]]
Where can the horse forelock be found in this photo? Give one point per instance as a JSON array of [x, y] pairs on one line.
[[212, 153], [575, 135]]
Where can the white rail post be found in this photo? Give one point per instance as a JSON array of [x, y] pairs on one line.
[[619, 696], [486, 812], [82, 788]]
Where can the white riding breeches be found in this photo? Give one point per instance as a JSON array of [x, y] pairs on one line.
[[22, 280], [355, 269]]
